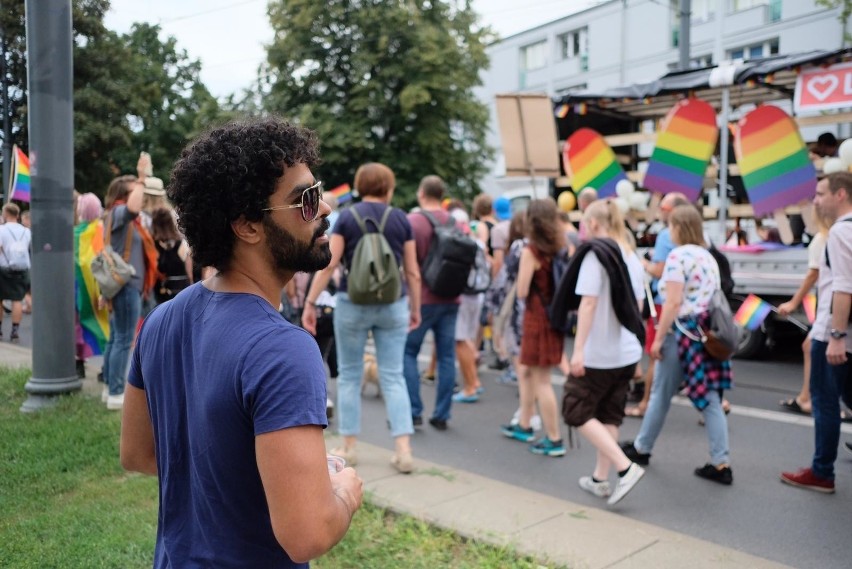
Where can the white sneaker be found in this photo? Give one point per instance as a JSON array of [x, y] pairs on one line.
[[599, 489], [626, 483], [535, 420], [104, 394], [115, 402]]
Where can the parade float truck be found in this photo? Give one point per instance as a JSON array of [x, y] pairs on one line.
[[763, 183]]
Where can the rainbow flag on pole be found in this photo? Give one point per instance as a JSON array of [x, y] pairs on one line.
[[343, 193], [88, 242], [752, 312], [19, 183]]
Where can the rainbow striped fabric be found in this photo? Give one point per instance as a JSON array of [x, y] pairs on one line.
[[683, 149], [809, 306], [343, 193], [20, 181], [88, 241], [752, 312], [773, 160]]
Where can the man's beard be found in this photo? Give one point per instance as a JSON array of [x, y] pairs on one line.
[[291, 255]]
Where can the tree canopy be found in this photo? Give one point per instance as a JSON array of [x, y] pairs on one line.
[[132, 92], [386, 81]]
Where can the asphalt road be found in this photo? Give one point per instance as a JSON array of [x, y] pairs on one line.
[[757, 515]]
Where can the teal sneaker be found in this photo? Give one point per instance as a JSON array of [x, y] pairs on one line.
[[518, 433], [548, 447]]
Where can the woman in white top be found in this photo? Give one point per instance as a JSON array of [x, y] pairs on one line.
[[605, 354], [801, 403], [690, 279]]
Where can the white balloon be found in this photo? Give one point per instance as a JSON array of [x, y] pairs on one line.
[[624, 188], [639, 200], [845, 152], [832, 165], [623, 205]]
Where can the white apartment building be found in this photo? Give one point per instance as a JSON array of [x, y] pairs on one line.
[[620, 42]]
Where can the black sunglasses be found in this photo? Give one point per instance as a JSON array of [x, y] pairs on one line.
[[309, 203]]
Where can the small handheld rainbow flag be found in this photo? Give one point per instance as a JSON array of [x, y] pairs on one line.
[[809, 306], [752, 312], [343, 193], [19, 183]]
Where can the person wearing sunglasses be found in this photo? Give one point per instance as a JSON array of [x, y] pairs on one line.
[[226, 400]]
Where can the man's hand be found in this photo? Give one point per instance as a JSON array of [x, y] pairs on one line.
[[836, 352], [349, 488], [787, 308]]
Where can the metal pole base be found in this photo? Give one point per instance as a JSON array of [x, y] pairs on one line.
[[44, 394]]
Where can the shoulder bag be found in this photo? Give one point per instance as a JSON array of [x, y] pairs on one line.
[[111, 270]]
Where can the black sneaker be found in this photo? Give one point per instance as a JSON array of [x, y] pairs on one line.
[[499, 364], [721, 475], [417, 421], [848, 446], [439, 424], [634, 455], [14, 338]]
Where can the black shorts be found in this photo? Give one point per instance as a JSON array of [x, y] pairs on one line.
[[14, 284], [600, 394]]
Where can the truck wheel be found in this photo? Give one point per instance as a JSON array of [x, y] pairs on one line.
[[749, 342]]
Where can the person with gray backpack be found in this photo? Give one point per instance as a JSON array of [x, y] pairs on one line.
[[372, 239]]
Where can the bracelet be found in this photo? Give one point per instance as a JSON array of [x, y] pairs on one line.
[[311, 302]]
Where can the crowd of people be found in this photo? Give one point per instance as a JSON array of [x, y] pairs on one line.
[[226, 400]]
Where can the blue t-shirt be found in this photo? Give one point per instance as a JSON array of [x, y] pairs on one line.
[[397, 231], [662, 247], [218, 369]]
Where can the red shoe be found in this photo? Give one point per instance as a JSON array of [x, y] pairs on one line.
[[805, 478]]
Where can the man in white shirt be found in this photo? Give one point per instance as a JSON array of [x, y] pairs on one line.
[[14, 265], [831, 345]]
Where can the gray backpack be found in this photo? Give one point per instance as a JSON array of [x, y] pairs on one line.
[[373, 276]]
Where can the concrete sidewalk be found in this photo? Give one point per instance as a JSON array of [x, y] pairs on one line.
[[557, 531], [552, 530]]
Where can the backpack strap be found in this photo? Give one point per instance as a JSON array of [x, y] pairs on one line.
[[827, 259], [434, 222]]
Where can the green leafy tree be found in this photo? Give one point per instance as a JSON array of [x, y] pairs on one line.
[[387, 81], [131, 92], [845, 11]]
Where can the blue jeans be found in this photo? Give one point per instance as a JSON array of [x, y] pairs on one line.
[[441, 319], [827, 385], [389, 325], [126, 307], [668, 376]]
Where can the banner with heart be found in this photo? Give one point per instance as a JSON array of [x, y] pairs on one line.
[[824, 88]]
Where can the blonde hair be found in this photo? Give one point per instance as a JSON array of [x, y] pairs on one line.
[[606, 213], [687, 223]]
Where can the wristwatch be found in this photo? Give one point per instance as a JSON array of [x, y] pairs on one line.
[[837, 334]]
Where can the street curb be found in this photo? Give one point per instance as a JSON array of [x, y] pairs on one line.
[[531, 523]]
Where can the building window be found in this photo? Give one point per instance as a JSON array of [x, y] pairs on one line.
[[572, 44], [746, 4], [534, 56], [755, 51], [694, 63]]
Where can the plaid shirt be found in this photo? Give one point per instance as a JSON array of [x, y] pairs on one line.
[[702, 371]]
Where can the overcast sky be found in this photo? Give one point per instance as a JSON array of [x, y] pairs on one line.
[[228, 35]]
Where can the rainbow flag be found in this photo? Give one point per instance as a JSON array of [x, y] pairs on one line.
[[809, 306], [343, 193], [752, 312], [19, 183], [88, 242], [562, 111]]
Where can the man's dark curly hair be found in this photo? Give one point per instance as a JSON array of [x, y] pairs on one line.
[[228, 172]]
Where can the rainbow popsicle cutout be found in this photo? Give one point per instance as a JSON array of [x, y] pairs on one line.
[[591, 163], [773, 160], [684, 147]]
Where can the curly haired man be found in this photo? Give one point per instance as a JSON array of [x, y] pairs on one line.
[[226, 400]]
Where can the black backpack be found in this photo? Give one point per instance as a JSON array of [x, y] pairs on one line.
[[450, 258], [725, 276]]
